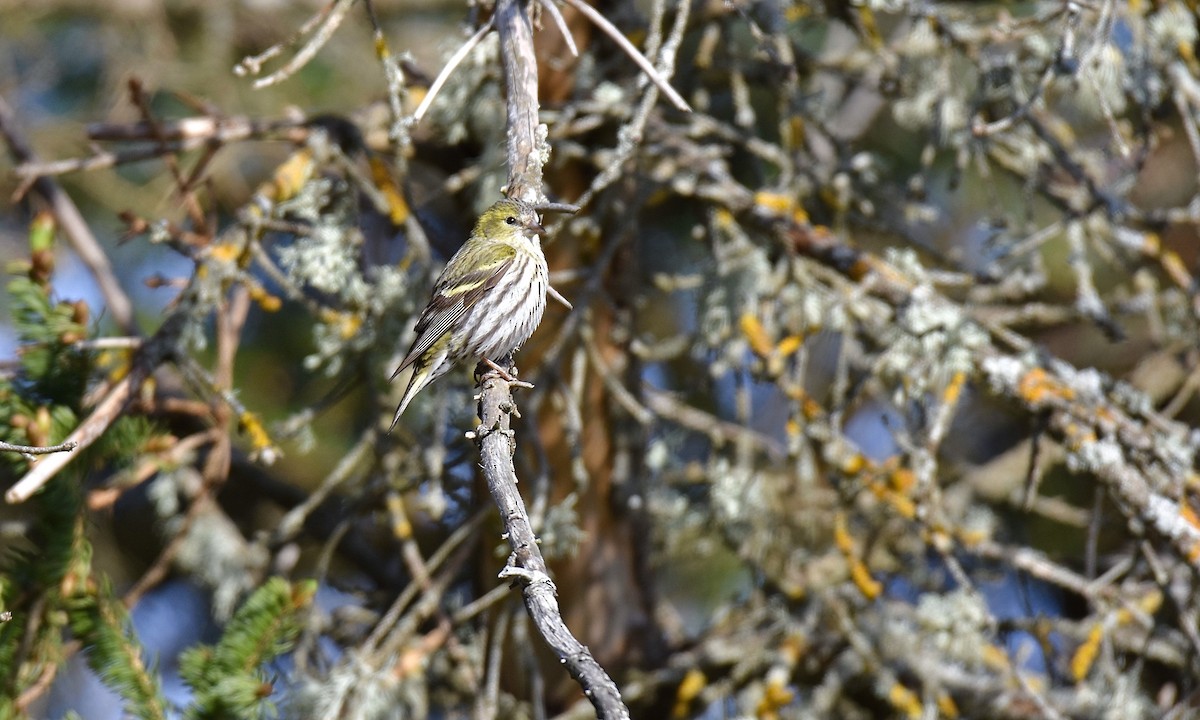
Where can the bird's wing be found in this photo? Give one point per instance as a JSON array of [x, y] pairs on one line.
[[451, 300]]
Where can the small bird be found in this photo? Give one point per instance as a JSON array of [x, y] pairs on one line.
[[487, 301]]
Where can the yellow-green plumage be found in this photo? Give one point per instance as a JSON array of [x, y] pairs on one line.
[[487, 301]]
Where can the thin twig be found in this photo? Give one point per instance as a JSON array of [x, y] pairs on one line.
[[90, 430], [35, 450], [454, 61], [556, 295], [333, 17], [177, 136], [397, 91], [663, 405], [630, 134], [561, 24], [611, 30], [147, 358]]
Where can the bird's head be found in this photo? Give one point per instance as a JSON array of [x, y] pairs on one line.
[[510, 219]]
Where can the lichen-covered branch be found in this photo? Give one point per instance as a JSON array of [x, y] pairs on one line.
[[496, 441], [527, 152]]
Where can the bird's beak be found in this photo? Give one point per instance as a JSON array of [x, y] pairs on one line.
[[535, 227]]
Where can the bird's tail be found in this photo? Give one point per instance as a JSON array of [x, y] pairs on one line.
[[415, 378]]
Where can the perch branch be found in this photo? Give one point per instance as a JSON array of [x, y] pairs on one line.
[[526, 147], [526, 153], [526, 565]]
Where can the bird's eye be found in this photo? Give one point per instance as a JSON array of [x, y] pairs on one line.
[[510, 220]]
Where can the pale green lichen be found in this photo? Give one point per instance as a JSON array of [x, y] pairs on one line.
[[1172, 27], [212, 549], [1103, 454], [560, 534], [956, 624]]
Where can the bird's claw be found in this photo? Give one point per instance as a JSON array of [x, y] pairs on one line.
[[509, 376]]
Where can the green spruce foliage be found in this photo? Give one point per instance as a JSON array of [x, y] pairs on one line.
[[58, 604], [100, 622], [228, 678]]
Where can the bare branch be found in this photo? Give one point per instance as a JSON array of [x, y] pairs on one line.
[[35, 450], [29, 451], [90, 430], [526, 146], [496, 443], [177, 136], [148, 357], [556, 295]]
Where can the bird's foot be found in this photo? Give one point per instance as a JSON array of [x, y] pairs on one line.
[[509, 376]]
